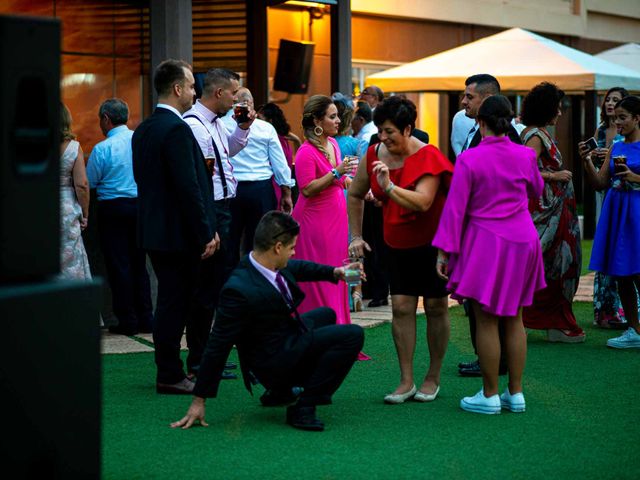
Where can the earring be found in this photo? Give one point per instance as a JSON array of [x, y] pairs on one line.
[[318, 131]]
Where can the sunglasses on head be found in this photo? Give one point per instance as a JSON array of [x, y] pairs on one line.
[[295, 228]]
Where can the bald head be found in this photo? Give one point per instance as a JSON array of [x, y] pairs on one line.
[[372, 95], [244, 95]]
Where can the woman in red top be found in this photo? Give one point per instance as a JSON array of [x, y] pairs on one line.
[[410, 179]]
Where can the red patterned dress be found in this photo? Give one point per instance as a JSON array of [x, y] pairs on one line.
[[556, 221]]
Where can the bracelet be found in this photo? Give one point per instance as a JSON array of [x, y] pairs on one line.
[[335, 173], [355, 237], [389, 188]]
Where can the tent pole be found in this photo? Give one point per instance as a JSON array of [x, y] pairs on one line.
[[588, 197]]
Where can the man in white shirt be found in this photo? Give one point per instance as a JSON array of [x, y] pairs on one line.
[[219, 90], [254, 167], [362, 123], [110, 172], [460, 127]]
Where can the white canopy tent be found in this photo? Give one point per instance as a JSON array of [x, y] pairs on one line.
[[518, 58], [627, 55]]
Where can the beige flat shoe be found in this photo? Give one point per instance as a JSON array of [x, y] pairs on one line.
[[426, 397], [396, 398]]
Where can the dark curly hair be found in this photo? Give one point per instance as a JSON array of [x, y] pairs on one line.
[[399, 110], [275, 116], [497, 113], [540, 106], [603, 111]]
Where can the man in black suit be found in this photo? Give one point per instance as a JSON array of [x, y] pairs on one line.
[[288, 353], [176, 217], [477, 88]]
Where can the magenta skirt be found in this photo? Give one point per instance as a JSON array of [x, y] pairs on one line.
[[502, 275]]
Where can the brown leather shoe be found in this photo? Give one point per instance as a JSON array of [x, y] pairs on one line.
[[183, 387]]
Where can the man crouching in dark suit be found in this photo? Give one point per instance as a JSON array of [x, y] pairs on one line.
[[287, 352]]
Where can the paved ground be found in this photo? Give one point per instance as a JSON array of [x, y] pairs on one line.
[[367, 319]]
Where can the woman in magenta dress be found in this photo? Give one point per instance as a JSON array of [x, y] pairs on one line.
[[490, 251], [321, 209]]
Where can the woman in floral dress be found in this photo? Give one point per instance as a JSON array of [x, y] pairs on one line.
[[74, 203], [556, 221]]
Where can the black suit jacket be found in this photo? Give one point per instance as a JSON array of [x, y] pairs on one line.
[[513, 135], [175, 192], [253, 315]]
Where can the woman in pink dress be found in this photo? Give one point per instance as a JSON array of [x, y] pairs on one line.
[[490, 252], [321, 209]]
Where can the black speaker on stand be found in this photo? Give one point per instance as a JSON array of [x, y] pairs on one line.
[[293, 66], [29, 148], [50, 356]]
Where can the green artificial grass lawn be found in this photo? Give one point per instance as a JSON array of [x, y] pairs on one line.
[[582, 421]]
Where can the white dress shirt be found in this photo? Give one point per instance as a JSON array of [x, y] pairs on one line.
[[263, 157], [367, 131], [169, 107], [109, 169], [228, 145], [460, 131]]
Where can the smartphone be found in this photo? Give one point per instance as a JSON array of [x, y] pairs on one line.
[[591, 144]]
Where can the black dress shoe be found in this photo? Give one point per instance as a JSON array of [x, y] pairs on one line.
[[230, 366], [467, 364], [304, 418], [280, 398], [226, 375], [377, 302], [183, 387], [120, 330], [472, 371]]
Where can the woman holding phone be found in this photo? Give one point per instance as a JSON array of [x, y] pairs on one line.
[[607, 309], [615, 246]]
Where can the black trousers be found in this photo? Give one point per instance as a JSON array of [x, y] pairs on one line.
[[252, 201], [375, 262], [211, 276], [327, 360], [177, 274], [125, 263]]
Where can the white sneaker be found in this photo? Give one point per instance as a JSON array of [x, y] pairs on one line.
[[629, 339], [481, 404], [514, 403]]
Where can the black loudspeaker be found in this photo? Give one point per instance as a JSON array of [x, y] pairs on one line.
[[294, 66], [29, 148], [50, 380]]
